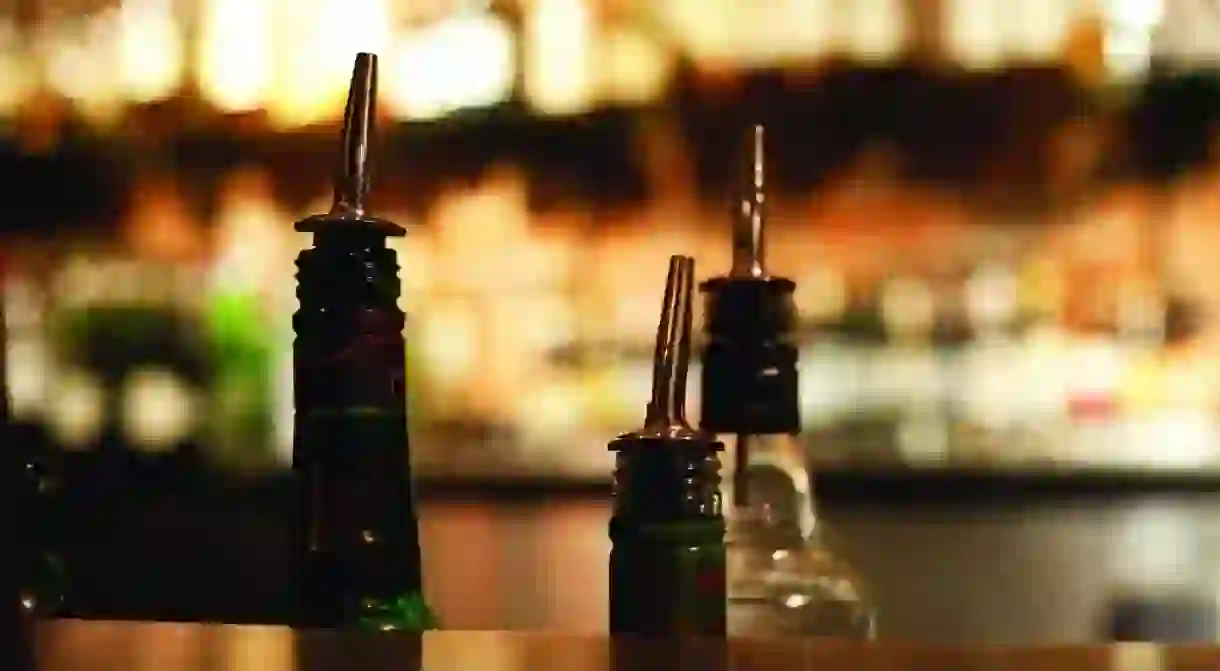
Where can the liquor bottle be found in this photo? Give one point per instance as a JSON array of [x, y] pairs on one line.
[[667, 558], [43, 576], [19, 633], [40, 581], [781, 578], [357, 541], [17, 620]]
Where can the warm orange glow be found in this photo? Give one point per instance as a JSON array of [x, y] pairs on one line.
[[1041, 288], [559, 68], [75, 418], [1084, 48], [151, 58], [27, 361], [159, 226], [634, 68], [477, 233], [15, 70], [768, 33], [414, 262], [235, 61], [908, 308], [259, 649], [875, 30], [158, 409], [823, 294], [974, 34], [494, 289], [164, 646], [312, 69], [252, 249], [1136, 30], [465, 60], [81, 60], [448, 338], [1037, 30]]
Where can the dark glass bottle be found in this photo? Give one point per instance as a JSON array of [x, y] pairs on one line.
[[357, 545], [17, 619], [667, 574], [44, 581]]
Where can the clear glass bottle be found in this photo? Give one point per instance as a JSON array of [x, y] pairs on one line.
[[782, 579]]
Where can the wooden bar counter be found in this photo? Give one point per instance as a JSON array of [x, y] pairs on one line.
[[112, 646]]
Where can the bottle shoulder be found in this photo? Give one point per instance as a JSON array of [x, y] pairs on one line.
[[795, 590], [779, 557]]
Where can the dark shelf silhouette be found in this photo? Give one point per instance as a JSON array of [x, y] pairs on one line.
[[987, 135]]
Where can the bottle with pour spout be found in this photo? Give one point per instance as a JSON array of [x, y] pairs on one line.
[[782, 579], [357, 561], [667, 530]]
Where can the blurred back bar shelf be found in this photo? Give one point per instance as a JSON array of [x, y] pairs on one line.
[[1000, 215], [198, 65]]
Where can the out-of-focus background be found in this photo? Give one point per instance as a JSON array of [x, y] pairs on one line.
[[1002, 218]]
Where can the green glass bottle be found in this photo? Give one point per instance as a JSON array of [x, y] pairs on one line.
[[667, 562], [357, 555]]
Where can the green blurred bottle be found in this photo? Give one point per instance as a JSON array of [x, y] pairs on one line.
[[241, 427]]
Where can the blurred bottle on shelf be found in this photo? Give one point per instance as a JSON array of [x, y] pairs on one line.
[[17, 631], [37, 578], [130, 361], [44, 579], [242, 329], [241, 423], [1165, 588]]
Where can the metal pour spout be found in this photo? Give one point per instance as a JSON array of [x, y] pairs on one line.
[[352, 179], [749, 220], [671, 360]]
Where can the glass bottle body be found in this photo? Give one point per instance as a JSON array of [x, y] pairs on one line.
[[357, 543], [782, 579], [40, 582], [43, 577], [667, 559]]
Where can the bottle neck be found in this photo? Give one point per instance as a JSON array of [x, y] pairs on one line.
[[655, 483], [778, 487]]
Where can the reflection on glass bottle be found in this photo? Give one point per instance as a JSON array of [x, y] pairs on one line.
[[782, 579]]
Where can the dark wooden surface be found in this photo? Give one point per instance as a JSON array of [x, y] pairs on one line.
[[106, 646], [149, 544], [1042, 573], [1004, 574]]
